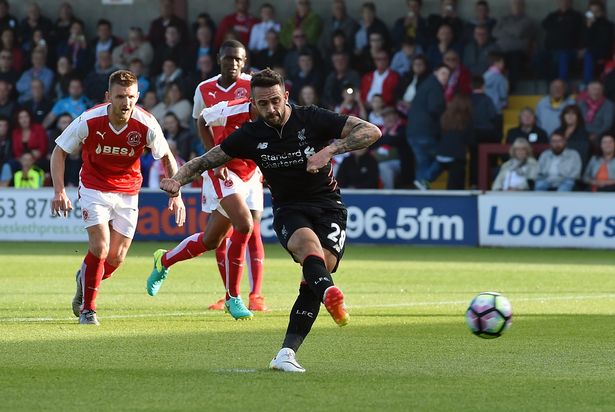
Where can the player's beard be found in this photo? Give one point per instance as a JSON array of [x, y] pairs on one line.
[[276, 118]]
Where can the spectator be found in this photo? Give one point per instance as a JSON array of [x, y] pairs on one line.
[[6, 150], [351, 104], [61, 27], [423, 131], [476, 52], [7, 20], [600, 172], [392, 152], [376, 105], [409, 84], [205, 70], [359, 170], [38, 71], [8, 43], [304, 19], [33, 21], [175, 103], [558, 167], [597, 39], [104, 41], [412, 25], [76, 48], [519, 172], [485, 122], [341, 76], [7, 73], [38, 105], [41, 43], [143, 84], [300, 46], [170, 74], [516, 34], [402, 60], [150, 101], [64, 74], [258, 35], [136, 47], [456, 126], [96, 82], [157, 28], [7, 105], [204, 40], [240, 22], [308, 74], [28, 136], [444, 42], [598, 112], [75, 104], [496, 83], [381, 81], [369, 23], [29, 176], [550, 107], [173, 49], [562, 29], [481, 18], [180, 136], [460, 80], [202, 20], [527, 129], [448, 15], [308, 96], [572, 127], [339, 21], [272, 55], [365, 60], [72, 165]]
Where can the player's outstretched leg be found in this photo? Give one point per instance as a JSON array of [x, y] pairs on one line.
[[92, 272], [78, 298], [190, 247], [302, 317], [256, 259], [320, 281], [234, 268]]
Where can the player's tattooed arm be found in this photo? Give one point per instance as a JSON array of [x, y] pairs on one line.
[[193, 169], [356, 134]]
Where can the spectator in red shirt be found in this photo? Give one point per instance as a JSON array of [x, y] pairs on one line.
[[460, 81], [240, 22], [381, 81], [28, 136]]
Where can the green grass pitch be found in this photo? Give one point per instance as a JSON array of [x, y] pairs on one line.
[[406, 348]]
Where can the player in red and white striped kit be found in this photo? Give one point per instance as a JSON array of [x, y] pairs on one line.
[[113, 136], [226, 190]]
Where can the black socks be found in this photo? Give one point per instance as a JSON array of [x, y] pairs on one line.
[[316, 275], [302, 317]]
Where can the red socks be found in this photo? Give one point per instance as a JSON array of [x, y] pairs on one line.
[[92, 271], [190, 247], [256, 259], [234, 265], [108, 271], [221, 260]]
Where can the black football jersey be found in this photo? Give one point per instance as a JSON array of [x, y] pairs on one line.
[[282, 155]]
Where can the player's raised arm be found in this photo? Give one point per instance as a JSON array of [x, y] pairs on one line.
[[193, 169], [356, 134]]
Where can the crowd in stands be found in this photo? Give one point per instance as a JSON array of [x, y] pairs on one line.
[[437, 85]]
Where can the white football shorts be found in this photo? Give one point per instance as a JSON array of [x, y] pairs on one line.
[[100, 208], [215, 189]]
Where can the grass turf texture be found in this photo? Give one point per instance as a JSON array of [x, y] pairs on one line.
[[406, 348]]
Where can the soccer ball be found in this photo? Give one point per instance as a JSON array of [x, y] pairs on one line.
[[489, 315]]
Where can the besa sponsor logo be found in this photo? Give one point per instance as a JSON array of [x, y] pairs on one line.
[[553, 224], [114, 150]]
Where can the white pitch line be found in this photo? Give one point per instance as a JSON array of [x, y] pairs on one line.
[[385, 305]]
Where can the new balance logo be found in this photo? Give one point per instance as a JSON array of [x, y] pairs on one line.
[[212, 94], [101, 134], [262, 145]]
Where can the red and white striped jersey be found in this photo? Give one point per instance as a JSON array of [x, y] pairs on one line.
[[226, 117], [112, 158], [209, 93]]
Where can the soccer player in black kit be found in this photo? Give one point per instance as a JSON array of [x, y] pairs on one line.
[[293, 146]]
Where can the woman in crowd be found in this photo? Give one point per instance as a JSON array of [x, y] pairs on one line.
[[600, 172], [173, 102], [572, 127], [520, 171], [28, 136], [527, 129]]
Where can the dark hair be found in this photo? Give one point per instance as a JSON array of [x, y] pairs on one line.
[[477, 82], [408, 40], [495, 56], [610, 134], [482, 3], [4, 118], [574, 109], [458, 113], [598, 3], [230, 44], [104, 22], [369, 5], [266, 78], [267, 5], [441, 66], [124, 78]]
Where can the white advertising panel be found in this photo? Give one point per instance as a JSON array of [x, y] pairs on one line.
[[26, 215], [577, 220]]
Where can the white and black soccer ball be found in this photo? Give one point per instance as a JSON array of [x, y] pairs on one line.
[[489, 315]]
